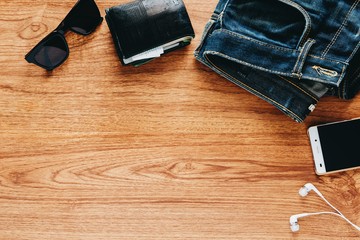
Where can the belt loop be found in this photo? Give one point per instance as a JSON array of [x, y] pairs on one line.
[[301, 59], [214, 16]]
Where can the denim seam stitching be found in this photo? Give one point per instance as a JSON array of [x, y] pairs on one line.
[[260, 94], [298, 87], [341, 75], [222, 13], [327, 59], [309, 45], [253, 40], [209, 25], [297, 61], [225, 6], [206, 32], [303, 55], [340, 29], [220, 19]]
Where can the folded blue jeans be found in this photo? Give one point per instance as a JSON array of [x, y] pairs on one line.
[[289, 53]]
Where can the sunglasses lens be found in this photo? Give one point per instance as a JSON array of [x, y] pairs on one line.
[[52, 53], [85, 18]]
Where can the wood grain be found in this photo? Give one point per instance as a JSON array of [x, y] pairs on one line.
[[169, 150]]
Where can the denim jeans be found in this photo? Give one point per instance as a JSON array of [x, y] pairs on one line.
[[289, 53]]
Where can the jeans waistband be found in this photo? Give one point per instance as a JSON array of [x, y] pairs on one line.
[[274, 59]]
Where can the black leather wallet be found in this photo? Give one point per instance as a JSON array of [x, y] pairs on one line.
[[145, 29]]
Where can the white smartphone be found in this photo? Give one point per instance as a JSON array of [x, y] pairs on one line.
[[335, 146]]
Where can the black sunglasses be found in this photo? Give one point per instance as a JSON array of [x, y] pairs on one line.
[[53, 50]]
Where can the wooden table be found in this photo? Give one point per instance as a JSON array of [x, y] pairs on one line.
[[169, 150]]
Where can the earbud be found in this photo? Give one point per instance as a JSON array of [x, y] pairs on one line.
[[294, 226], [304, 191]]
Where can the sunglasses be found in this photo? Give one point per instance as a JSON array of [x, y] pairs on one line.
[[53, 50]]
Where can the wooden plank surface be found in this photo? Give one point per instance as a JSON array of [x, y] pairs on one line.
[[169, 150]]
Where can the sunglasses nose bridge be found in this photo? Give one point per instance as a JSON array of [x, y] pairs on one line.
[[62, 28]]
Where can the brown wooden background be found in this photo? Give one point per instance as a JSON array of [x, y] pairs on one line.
[[169, 150]]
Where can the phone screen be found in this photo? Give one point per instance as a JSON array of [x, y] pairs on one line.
[[340, 145]]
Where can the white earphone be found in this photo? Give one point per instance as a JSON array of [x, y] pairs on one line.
[[294, 226]]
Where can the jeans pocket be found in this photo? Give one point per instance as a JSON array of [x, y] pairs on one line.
[[279, 22]]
